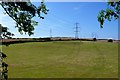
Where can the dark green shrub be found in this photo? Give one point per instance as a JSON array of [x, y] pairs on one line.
[[94, 39], [110, 40]]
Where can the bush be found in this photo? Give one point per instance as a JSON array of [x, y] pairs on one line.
[[94, 39], [110, 40], [60, 39]]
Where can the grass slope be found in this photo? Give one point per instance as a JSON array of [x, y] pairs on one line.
[[65, 59]]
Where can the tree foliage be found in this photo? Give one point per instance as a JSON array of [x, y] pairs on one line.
[[4, 33], [113, 10], [22, 13]]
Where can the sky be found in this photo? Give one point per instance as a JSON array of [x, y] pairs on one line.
[[61, 18]]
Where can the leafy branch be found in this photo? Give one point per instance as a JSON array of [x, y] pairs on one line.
[[113, 10]]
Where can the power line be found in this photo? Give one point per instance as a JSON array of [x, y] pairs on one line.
[[76, 31], [60, 19], [51, 33], [60, 23]]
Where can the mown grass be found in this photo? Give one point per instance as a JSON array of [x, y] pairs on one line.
[[64, 59]]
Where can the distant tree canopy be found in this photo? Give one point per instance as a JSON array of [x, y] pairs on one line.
[[113, 10], [22, 13]]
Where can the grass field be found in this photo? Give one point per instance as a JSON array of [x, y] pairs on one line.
[[65, 59]]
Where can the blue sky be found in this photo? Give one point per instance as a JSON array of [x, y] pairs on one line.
[[62, 17]]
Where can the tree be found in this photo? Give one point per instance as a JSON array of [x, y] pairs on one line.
[[4, 33], [22, 13], [113, 10]]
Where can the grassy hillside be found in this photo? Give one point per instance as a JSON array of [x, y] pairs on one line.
[[65, 59]]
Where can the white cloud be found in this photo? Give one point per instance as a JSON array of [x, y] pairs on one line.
[[79, 7], [76, 8]]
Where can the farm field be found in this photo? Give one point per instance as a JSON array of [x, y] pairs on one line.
[[62, 59]]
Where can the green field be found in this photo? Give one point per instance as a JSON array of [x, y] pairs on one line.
[[62, 59]]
